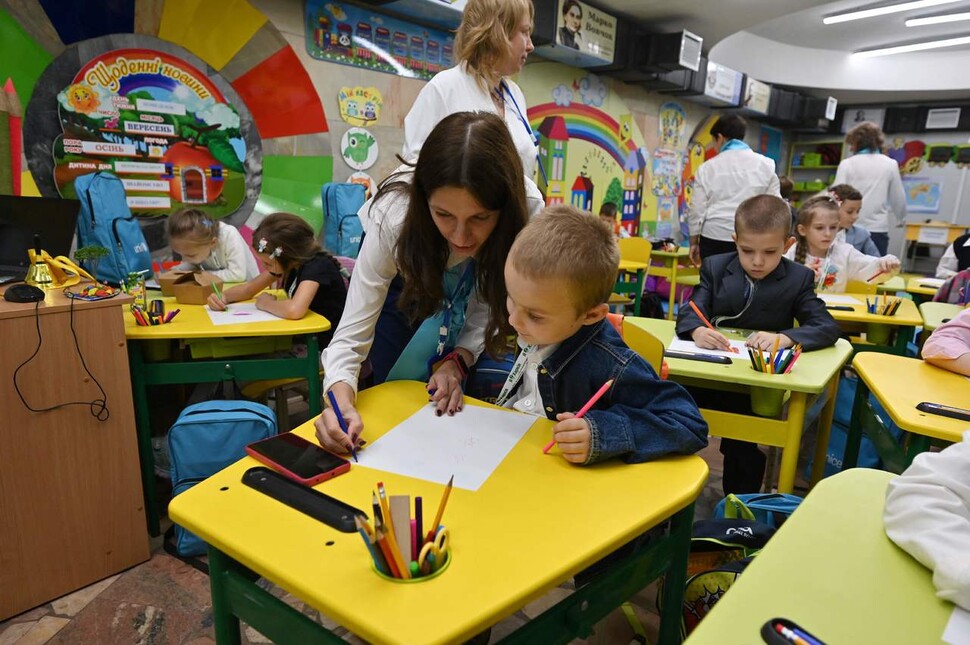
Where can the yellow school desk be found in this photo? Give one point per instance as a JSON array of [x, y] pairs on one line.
[[670, 270], [900, 384], [71, 510], [815, 372], [879, 328], [892, 285], [936, 313], [193, 323], [921, 291], [535, 523], [832, 570]]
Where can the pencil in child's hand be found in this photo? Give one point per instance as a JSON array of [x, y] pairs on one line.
[[583, 410], [875, 276], [701, 315]]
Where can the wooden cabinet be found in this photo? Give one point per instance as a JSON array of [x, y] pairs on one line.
[[71, 509]]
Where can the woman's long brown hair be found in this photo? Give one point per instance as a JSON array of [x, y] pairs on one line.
[[473, 151]]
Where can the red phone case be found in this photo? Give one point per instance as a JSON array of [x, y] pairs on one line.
[[312, 481]]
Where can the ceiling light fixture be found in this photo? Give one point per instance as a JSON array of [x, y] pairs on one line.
[[912, 47], [858, 14], [936, 20]]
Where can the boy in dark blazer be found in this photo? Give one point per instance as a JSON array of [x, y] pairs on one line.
[[756, 288]]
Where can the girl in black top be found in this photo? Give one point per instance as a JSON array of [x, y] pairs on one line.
[[311, 277]]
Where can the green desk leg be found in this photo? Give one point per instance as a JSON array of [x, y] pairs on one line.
[[854, 439], [314, 389], [917, 443], [576, 614], [143, 430], [903, 336], [235, 596]]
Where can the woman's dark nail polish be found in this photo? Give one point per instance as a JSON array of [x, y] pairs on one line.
[[437, 413]]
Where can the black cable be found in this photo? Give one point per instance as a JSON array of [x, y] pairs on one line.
[[98, 407]]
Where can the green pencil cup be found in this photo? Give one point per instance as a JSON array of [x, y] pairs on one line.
[[877, 333], [767, 402], [430, 576]]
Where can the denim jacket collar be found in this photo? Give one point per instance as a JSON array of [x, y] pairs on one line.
[[570, 347]]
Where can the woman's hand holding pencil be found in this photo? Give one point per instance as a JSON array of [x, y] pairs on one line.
[[330, 432]]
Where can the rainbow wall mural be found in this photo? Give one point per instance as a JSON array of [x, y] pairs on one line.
[[587, 123]]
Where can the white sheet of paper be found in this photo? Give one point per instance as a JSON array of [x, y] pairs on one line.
[[837, 299], [152, 284], [469, 445], [957, 630], [239, 313], [931, 282], [689, 346]]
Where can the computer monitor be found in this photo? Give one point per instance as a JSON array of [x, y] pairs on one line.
[[54, 220]]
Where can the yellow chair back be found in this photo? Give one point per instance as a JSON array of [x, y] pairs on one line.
[[635, 249], [648, 346], [858, 286]]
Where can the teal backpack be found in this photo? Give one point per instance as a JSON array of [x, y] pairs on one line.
[[206, 438]]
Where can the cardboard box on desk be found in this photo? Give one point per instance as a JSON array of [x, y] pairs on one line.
[[166, 281], [194, 288]]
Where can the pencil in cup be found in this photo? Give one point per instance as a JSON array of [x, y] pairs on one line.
[[782, 363], [582, 411]]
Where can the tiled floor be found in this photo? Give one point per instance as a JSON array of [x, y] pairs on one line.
[[165, 601]]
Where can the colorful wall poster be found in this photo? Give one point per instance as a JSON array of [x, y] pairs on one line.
[[923, 194], [350, 35], [589, 155], [908, 154], [360, 106], [671, 125], [359, 148], [157, 122]]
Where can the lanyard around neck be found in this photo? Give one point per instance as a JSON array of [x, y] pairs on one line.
[[528, 128], [515, 375], [461, 287]]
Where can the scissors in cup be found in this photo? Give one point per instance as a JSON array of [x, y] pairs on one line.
[[433, 553]]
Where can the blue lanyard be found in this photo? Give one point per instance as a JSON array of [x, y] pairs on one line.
[[528, 128], [459, 292], [735, 144]]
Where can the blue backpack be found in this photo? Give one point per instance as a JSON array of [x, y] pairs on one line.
[[206, 438], [771, 509], [342, 229], [105, 220]]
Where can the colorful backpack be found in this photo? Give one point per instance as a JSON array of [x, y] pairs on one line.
[[771, 508], [719, 551], [956, 290]]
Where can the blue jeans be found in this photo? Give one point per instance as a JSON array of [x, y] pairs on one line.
[[391, 335], [881, 240]]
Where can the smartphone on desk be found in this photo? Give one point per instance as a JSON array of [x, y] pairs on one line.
[[298, 459]]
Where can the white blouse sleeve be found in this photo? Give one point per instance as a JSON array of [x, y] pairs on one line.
[[947, 268], [928, 515], [373, 273], [239, 263], [860, 266], [428, 110]]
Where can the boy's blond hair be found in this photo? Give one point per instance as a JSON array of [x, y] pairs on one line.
[[567, 244]]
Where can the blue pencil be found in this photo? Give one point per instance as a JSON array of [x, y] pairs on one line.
[[378, 562], [341, 421]]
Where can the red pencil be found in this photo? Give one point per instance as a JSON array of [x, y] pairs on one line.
[[875, 276], [700, 315], [579, 415]]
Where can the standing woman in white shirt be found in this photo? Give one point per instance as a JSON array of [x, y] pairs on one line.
[[876, 176], [721, 184], [441, 229], [491, 44]]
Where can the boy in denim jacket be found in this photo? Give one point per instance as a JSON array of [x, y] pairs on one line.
[[559, 275]]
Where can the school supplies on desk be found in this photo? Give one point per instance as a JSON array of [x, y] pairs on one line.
[[888, 307], [839, 308], [736, 349], [944, 410], [396, 548], [776, 362], [147, 318], [579, 415], [781, 631], [696, 356], [308, 501]]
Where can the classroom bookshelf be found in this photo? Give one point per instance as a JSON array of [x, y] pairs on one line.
[[812, 165]]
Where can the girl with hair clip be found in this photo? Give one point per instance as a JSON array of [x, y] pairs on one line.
[[208, 245], [850, 201], [439, 229], [310, 276], [491, 44], [834, 262]]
